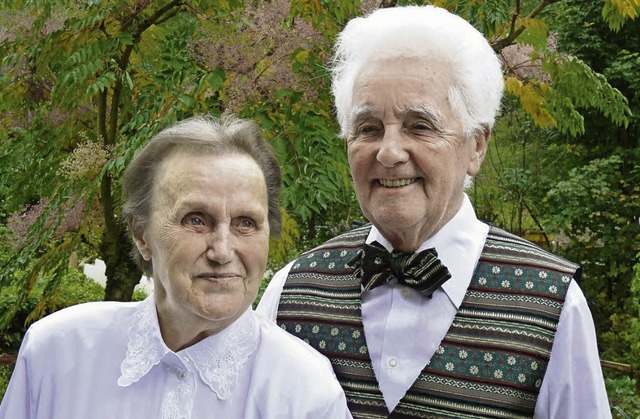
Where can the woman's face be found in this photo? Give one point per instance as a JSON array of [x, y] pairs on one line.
[[208, 240]]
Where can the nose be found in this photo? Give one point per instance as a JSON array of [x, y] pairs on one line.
[[393, 149], [219, 246]]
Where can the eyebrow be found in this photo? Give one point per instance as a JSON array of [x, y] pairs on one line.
[[425, 112], [361, 112]]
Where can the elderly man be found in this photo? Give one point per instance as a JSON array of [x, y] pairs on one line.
[[429, 312]]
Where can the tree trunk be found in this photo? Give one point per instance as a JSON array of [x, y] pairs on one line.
[[122, 272]]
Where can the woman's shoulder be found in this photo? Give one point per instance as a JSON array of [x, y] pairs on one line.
[[83, 318], [287, 349]]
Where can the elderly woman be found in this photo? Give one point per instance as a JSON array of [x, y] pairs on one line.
[[201, 200]]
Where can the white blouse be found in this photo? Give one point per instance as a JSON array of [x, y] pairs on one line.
[[108, 360]]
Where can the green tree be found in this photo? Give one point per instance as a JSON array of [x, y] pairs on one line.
[[98, 79], [86, 84]]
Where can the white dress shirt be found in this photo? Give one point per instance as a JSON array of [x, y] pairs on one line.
[[108, 360], [403, 329]]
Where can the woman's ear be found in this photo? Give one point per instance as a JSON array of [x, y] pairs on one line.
[[139, 235], [481, 142]]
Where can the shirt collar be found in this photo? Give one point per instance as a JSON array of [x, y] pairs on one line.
[[218, 359], [463, 235]]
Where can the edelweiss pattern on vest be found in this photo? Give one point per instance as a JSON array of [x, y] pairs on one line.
[[491, 361]]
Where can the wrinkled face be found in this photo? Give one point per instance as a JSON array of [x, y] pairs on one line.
[[208, 238], [406, 149]]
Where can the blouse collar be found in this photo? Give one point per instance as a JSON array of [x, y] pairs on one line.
[[217, 359]]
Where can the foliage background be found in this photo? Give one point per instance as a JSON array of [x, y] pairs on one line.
[[86, 83]]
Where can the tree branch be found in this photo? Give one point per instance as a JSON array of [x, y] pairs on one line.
[[502, 43]]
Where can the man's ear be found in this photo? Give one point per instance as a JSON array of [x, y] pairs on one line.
[[481, 142], [140, 239]]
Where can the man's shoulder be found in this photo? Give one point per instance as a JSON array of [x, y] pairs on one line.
[[351, 238], [503, 245]]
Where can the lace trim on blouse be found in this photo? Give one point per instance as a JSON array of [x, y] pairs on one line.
[[218, 359]]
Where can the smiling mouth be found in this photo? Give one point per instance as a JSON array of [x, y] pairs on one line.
[[218, 277], [397, 183]]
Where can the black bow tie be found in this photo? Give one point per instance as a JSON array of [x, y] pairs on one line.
[[422, 271]]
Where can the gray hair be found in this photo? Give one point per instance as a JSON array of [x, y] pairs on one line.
[[428, 33], [197, 136]]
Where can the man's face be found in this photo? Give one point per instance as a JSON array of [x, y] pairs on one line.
[[208, 239], [406, 149]]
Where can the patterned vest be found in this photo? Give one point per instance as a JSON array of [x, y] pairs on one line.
[[490, 363]]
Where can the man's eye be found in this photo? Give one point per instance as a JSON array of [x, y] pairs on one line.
[[422, 126], [367, 129]]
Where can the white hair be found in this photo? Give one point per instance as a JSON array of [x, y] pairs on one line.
[[428, 33]]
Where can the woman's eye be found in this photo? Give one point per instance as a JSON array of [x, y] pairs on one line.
[[194, 220], [246, 224]]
